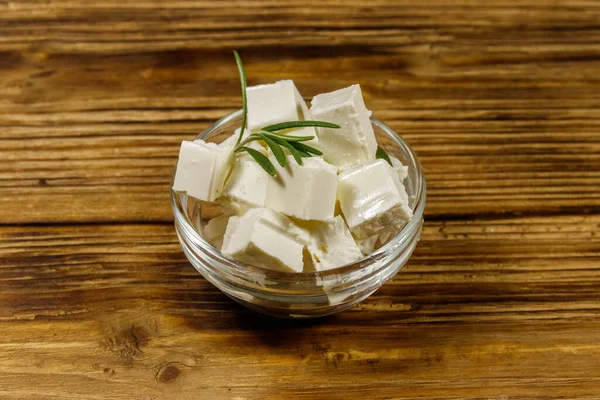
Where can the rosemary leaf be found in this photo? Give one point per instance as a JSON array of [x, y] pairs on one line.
[[303, 154], [383, 155], [299, 124], [240, 66], [307, 149], [277, 151], [261, 160], [288, 138], [295, 153], [252, 138]]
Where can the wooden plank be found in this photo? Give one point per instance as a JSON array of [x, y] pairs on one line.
[[484, 309], [109, 26], [500, 101], [492, 143]]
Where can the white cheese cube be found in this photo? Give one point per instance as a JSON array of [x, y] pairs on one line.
[[246, 187], [331, 245], [306, 192], [299, 233], [304, 114], [373, 200], [214, 230], [201, 170], [353, 143], [372, 243], [367, 246], [273, 103], [400, 168], [247, 184], [261, 238]]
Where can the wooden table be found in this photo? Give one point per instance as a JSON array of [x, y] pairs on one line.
[[499, 99]]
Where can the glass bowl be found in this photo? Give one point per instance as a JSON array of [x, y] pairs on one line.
[[307, 294]]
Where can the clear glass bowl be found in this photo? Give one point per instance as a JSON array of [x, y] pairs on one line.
[[300, 295]]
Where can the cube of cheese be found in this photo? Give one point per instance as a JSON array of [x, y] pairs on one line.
[[373, 200], [331, 245], [262, 238], [307, 192], [201, 170], [400, 168], [273, 103], [372, 243], [367, 246], [246, 187], [353, 143], [214, 230]]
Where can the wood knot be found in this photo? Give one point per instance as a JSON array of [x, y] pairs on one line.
[[168, 373], [127, 342]]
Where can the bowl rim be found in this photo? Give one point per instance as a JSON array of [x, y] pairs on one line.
[[401, 238]]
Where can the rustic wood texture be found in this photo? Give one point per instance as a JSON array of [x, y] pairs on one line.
[[501, 101]]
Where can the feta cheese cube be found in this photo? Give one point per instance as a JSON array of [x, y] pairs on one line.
[[400, 168], [354, 143], [306, 192], [201, 170], [372, 243], [246, 187], [262, 238], [214, 230], [273, 103], [367, 246], [372, 198], [331, 245]]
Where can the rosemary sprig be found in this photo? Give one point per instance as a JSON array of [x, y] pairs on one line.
[[289, 138], [261, 160], [381, 153], [308, 149], [269, 134], [242, 73], [276, 149], [298, 124], [276, 141], [295, 153]]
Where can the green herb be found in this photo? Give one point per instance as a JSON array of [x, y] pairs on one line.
[[307, 149], [240, 66], [299, 124], [275, 140], [261, 160], [288, 138], [295, 153], [383, 155], [277, 151]]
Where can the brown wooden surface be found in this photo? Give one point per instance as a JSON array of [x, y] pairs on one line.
[[500, 99]]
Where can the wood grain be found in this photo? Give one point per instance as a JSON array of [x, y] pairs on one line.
[[500, 101], [121, 309]]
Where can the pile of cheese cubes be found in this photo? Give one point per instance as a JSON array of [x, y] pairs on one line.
[[326, 213]]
